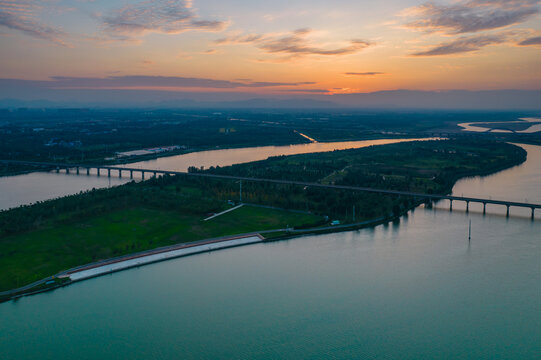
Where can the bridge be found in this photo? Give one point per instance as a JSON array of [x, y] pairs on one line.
[[428, 198]]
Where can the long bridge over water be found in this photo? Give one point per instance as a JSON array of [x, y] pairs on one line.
[[429, 198]]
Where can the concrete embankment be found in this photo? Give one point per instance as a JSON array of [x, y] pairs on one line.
[[129, 261], [99, 269], [165, 253]]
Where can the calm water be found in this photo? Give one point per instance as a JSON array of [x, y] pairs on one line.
[[228, 157], [521, 183], [410, 290], [476, 126], [27, 189]]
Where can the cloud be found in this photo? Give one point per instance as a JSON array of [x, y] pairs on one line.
[[464, 45], [370, 73], [20, 15], [469, 16], [141, 81], [307, 91], [531, 41], [162, 16], [293, 44]]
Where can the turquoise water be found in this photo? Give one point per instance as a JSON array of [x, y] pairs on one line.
[[411, 290], [416, 289]]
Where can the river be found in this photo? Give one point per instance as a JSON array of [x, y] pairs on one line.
[[413, 289], [29, 188], [481, 126]]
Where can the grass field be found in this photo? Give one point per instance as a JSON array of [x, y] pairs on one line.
[[40, 240], [31, 256]]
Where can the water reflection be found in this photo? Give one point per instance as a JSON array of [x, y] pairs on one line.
[[29, 188], [520, 183], [477, 126], [417, 289], [228, 157]]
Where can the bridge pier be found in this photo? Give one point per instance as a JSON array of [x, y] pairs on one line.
[[484, 208], [418, 198], [467, 206]]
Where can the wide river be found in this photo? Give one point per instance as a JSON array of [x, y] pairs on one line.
[[29, 188], [414, 289]]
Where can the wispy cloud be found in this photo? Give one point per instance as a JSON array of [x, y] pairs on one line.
[[369, 73], [469, 16], [293, 44], [163, 16], [464, 45], [307, 91], [531, 41], [138, 81], [20, 15]]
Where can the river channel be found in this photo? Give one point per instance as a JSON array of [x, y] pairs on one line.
[[413, 289], [29, 188]]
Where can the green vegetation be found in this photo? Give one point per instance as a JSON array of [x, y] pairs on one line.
[[42, 239], [31, 256], [430, 167], [92, 136]]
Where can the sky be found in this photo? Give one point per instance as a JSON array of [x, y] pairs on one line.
[[272, 47]]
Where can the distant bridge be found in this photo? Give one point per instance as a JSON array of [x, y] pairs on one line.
[[154, 172]]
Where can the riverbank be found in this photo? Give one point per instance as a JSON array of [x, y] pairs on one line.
[[377, 292], [109, 266], [174, 155], [43, 239], [522, 126], [112, 265], [93, 233]]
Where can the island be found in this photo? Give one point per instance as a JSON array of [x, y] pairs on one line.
[[46, 238]]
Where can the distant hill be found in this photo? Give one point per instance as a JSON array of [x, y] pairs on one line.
[[21, 93], [452, 99]]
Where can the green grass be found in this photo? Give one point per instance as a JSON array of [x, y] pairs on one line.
[[31, 256], [47, 237]]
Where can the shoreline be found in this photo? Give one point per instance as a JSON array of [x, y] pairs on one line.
[[143, 158], [157, 255], [152, 256], [126, 262], [129, 261], [63, 278]]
